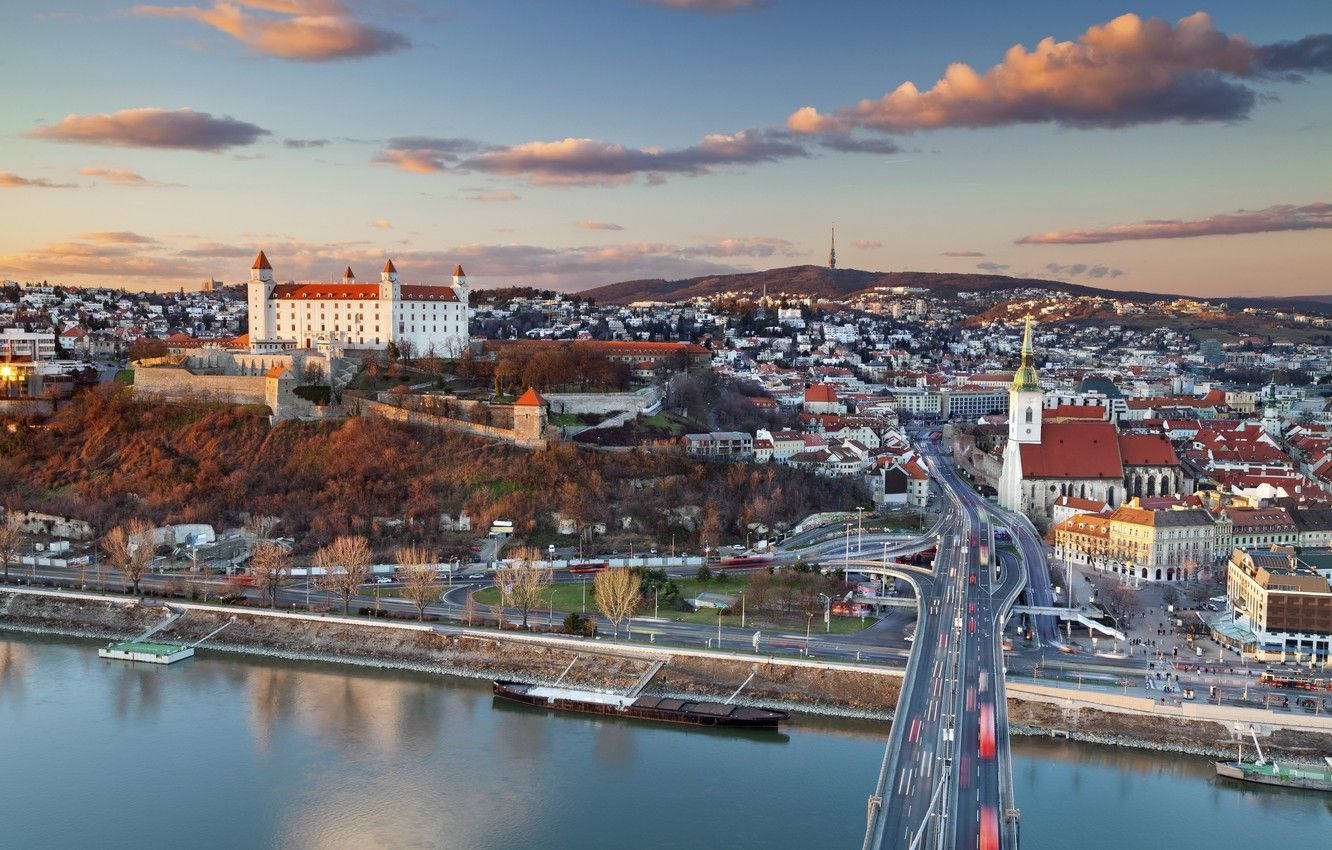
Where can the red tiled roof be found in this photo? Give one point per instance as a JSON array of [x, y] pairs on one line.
[[1146, 450], [1078, 411], [423, 292], [820, 393], [328, 291], [261, 262], [529, 399], [389, 268], [458, 272], [1074, 450]]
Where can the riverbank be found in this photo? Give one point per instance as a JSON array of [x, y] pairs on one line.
[[830, 688]]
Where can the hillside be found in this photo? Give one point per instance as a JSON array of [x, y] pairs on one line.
[[109, 456], [822, 282]]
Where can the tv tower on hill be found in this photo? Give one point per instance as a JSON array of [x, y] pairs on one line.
[[832, 249]]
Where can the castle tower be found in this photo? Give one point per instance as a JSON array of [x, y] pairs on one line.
[[259, 291], [388, 282], [529, 419], [1025, 399], [348, 276], [832, 250], [460, 285]]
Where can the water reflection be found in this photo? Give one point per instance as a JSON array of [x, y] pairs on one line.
[[14, 661]]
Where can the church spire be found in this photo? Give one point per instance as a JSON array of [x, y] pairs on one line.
[[832, 249], [1026, 378]]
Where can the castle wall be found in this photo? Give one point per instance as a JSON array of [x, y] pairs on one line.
[[174, 382], [527, 432]]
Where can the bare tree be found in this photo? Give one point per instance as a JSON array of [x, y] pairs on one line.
[[469, 607], [616, 594], [140, 533], [261, 526], [522, 582], [270, 565], [9, 544], [346, 565], [416, 571]]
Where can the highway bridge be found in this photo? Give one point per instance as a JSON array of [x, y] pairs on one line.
[[946, 775]]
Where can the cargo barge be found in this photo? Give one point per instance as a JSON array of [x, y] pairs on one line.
[[1283, 775], [1264, 771], [662, 709]]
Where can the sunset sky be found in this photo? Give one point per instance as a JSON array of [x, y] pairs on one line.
[[571, 143]]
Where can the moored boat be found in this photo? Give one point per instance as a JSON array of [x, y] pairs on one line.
[[664, 709], [1284, 775]]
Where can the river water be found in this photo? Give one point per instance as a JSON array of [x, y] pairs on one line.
[[225, 751]]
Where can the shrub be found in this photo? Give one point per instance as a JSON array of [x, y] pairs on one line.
[[314, 393], [704, 574]]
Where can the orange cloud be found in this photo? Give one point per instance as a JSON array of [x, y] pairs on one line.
[[1125, 72], [585, 224], [149, 127], [1317, 216], [867, 244], [118, 237], [305, 30], [10, 180]]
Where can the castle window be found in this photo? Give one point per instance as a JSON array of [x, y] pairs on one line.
[[1029, 415]]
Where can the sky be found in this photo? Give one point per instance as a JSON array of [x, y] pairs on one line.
[[571, 143]]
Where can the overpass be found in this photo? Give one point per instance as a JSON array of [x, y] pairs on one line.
[[945, 780], [1071, 615]]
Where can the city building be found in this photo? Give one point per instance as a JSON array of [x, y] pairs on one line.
[[1285, 605], [720, 445], [422, 318]]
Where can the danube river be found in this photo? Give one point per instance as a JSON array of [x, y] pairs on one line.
[[223, 751]]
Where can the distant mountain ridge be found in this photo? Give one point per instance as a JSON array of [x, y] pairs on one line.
[[822, 282]]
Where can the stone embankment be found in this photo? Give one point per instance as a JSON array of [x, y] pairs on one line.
[[833, 688]]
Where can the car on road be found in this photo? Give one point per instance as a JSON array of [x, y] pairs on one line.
[[971, 625], [383, 580], [973, 578], [477, 575]]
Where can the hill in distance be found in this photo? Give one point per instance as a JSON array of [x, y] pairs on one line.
[[823, 282]]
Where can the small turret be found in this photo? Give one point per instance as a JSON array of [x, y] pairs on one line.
[[389, 274], [348, 276], [460, 283], [261, 270]]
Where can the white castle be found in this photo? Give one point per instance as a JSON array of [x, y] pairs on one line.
[[428, 319]]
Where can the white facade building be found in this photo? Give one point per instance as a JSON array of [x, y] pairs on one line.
[[425, 318]]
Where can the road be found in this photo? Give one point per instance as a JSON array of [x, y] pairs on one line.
[[946, 780]]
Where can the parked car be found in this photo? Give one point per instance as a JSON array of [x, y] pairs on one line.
[[383, 580]]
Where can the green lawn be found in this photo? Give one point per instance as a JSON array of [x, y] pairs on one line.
[[570, 596], [125, 376]]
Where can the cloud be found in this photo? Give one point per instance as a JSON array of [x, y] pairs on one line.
[[852, 144], [1126, 72], [741, 246], [712, 5], [118, 237], [962, 254], [586, 162], [122, 176], [1078, 269], [867, 244], [492, 197], [425, 154], [1317, 216], [304, 30], [991, 267], [10, 180], [597, 225], [302, 144], [103, 262], [183, 128], [382, 224]]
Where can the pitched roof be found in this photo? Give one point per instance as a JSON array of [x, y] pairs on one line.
[[458, 272], [529, 399], [389, 268], [820, 393], [261, 262], [348, 275], [339, 291], [1073, 450], [1146, 450]]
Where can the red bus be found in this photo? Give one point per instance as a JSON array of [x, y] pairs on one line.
[[989, 829], [987, 731], [587, 566], [742, 561]]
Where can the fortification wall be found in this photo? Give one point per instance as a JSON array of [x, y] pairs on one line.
[[174, 382]]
